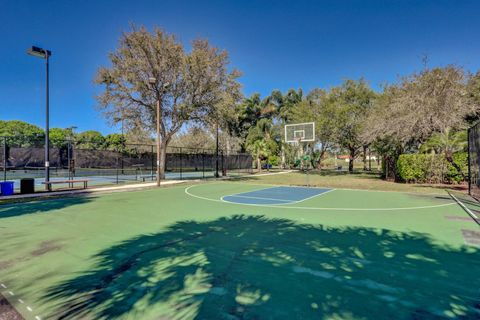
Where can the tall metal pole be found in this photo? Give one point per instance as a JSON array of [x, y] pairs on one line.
[[4, 158], [158, 142], [216, 154], [47, 129]]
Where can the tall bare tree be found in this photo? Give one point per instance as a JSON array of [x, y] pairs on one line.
[[187, 85], [433, 100]]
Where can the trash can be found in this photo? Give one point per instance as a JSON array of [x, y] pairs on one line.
[[6, 188], [27, 185]]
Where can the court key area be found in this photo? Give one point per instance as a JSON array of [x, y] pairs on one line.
[[276, 195]]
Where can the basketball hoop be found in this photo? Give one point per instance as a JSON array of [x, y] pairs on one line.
[[300, 132]]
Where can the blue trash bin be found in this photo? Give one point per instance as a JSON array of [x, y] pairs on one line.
[[6, 188]]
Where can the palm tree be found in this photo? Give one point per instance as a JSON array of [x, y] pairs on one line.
[[447, 142], [259, 149]]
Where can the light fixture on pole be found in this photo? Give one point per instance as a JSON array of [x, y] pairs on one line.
[[45, 54]]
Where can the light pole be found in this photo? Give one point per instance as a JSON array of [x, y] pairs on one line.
[[45, 54], [153, 82]]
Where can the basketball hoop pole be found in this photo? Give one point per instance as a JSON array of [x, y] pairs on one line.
[[296, 134], [304, 159]]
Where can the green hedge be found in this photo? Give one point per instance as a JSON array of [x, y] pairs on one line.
[[428, 168]]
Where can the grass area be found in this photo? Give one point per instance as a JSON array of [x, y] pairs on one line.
[[357, 180]]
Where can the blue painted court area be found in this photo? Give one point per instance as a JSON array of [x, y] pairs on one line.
[[275, 195]]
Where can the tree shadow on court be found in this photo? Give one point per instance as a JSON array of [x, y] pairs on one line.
[[252, 267], [40, 206]]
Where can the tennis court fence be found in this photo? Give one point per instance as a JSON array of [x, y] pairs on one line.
[[120, 163], [474, 161]]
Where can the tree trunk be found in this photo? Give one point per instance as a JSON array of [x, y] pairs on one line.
[[319, 164], [364, 158], [350, 160], [259, 164], [163, 157]]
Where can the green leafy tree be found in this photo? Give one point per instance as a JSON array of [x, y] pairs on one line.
[[21, 133], [187, 85], [259, 150], [249, 112], [115, 141], [90, 139], [279, 108], [447, 143], [264, 131], [318, 108], [352, 101], [59, 137]]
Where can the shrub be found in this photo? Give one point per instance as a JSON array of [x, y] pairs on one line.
[[461, 160], [412, 167], [274, 160], [422, 168]]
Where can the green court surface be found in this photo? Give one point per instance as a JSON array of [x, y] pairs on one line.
[[231, 250]]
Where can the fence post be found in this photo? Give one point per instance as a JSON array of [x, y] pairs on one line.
[[224, 170], [181, 163], [116, 164], [203, 163], [122, 153], [69, 159], [4, 158]]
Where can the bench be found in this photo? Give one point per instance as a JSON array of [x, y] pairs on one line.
[[70, 182]]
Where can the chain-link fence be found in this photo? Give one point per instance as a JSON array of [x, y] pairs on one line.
[[121, 163], [474, 161]]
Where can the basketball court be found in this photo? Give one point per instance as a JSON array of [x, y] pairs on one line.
[[241, 251]]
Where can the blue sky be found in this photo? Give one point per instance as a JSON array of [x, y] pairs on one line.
[[276, 44]]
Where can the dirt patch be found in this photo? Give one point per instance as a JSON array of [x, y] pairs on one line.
[[7, 312], [46, 247], [459, 218], [471, 237], [6, 264]]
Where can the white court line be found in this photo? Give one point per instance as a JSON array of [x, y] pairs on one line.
[[19, 300], [269, 174], [248, 197], [187, 191], [314, 196]]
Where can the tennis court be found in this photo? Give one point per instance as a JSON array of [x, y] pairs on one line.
[[234, 250], [100, 177]]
